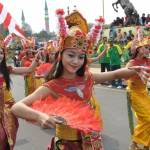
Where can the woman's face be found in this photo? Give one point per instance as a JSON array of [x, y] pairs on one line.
[[144, 51], [1, 55], [52, 56], [72, 60], [29, 54]]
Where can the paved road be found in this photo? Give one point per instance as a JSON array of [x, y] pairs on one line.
[[114, 112]]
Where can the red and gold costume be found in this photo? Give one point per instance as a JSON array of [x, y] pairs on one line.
[[140, 102], [8, 122], [29, 79], [40, 73], [79, 88], [138, 93]]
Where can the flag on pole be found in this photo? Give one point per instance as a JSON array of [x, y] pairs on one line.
[[9, 23]]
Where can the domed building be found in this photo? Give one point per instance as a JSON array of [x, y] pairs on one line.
[[25, 26]]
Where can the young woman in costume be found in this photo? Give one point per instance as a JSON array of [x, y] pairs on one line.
[[44, 66], [8, 122], [26, 61], [139, 98]]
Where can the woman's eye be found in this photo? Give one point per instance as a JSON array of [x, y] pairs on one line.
[[71, 55], [147, 47], [82, 57]]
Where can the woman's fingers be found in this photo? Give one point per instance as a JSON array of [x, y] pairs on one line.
[[52, 121], [139, 68], [59, 120], [144, 76], [49, 123], [142, 71]]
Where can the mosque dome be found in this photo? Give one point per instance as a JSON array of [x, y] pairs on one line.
[[27, 29]]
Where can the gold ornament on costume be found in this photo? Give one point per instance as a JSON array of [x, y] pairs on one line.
[[76, 39], [139, 40], [143, 42], [76, 19], [73, 31]]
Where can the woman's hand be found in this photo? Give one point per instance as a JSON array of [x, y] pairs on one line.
[[47, 121], [38, 56], [142, 71]]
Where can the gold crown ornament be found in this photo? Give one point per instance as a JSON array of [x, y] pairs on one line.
[[73, 31], [76, 39]]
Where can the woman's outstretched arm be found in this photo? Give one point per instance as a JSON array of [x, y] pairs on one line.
[[121, 73]]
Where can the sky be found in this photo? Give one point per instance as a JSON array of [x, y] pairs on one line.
[[90, 9]]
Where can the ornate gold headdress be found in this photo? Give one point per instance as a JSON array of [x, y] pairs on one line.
[[139, 40], [77, 36], [50, 46]]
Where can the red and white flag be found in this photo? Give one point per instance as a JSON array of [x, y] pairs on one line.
[[9, 22], [8, 39]]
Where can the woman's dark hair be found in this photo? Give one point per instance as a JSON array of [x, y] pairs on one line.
[[134, 55], [47, 58], [5, 72], [57, 69]]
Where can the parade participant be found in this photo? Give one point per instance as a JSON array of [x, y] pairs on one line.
[[8, 122], [69, 77], [104, 61], [114, 54], [26, 61], [97, 58], [44, 67], [139, 98]]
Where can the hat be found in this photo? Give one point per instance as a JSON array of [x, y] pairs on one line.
[[76, 39], [77, 36], [139, 40], [137, 44]]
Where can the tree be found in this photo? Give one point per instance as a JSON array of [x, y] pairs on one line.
[[4, 32]]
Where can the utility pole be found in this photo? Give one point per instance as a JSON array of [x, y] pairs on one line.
[[103, 7]]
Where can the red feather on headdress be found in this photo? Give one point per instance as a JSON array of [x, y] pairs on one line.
[[77, 114]]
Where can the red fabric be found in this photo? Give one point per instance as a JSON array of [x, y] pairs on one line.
[[143, 62], [21, 55], [7, 20], [1, 80], [61, 85], [1, 7], [26, 62], [17, 28], [43, 68]]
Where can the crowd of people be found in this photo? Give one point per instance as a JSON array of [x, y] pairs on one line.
[[133, 21], [52, 73]]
